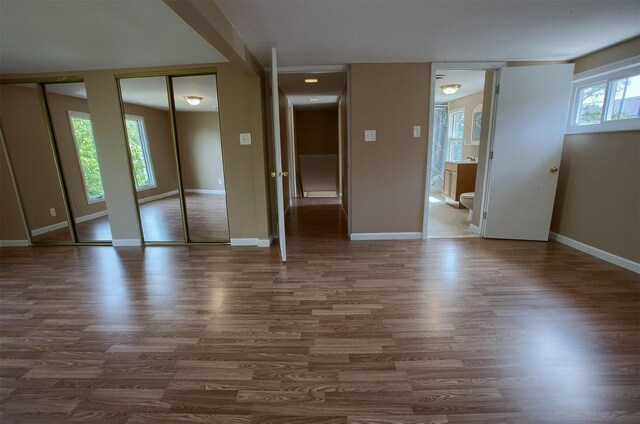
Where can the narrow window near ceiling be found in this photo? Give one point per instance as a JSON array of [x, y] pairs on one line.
[[87, 155], [140, 155]]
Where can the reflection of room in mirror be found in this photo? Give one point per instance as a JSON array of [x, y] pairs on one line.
[[34, 167]]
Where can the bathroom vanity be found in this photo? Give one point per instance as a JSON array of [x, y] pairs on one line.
[[459, 177]]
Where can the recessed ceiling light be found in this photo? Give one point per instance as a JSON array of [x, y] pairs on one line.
[[311, 80], [314, 99], [193, 100]]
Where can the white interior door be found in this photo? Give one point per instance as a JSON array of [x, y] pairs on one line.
[[530, 119], [277, 172]]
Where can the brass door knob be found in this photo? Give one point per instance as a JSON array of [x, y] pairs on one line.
[[553, 169], [285, 174], [274, 174]]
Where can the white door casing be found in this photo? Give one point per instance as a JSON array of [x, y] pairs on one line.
[[277, 172]]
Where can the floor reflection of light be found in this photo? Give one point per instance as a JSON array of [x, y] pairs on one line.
[[433, 200], [114, 295]]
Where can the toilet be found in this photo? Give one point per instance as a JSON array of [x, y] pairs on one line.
[[467, 201]]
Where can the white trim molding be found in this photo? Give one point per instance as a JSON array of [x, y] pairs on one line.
[[203, 191], [14, 243], [386, 236], [91, 216], [158, 196], [598, 253], [251, 242], [49, 228], [127, 242]]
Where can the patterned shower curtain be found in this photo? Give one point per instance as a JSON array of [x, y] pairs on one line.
[[440, 134]]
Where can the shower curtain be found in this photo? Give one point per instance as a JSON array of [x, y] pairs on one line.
[[440, 134]]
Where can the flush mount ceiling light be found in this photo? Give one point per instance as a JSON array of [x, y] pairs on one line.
[[314, 99], [193, 100], [311, 80], [450, 88]]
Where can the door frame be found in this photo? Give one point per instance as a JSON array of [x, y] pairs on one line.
[[458, 66]]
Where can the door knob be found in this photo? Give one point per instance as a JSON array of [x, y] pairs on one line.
[[285, 174], [274, 174], [553, 169]]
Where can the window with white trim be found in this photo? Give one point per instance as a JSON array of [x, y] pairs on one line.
[[139, 152], [87, 155], [456, 135], [606, 101]]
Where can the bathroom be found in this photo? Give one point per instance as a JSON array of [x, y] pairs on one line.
[[458, 135]]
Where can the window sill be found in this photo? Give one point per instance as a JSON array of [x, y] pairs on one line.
[[146, 187], [100, 200], [611, 126]]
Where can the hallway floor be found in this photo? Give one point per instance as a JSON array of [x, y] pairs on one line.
[[438, 331]]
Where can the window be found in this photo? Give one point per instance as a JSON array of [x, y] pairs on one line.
[[139, 151], [87, 155], [456, 134], [608, 100]]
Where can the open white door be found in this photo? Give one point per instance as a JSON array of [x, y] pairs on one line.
[[530, 119], [277, 173]]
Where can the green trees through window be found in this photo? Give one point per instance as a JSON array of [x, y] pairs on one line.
[[88, 156]]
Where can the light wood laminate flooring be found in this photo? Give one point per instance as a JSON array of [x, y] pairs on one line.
[[442, 331]]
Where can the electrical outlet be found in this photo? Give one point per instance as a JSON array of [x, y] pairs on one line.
[[416, 131], [245, 138], [52, 211]]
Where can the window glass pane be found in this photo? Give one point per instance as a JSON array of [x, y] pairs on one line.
[[458, 125], [624, 99], [138, 153], [83, 135], [590, 104], [455, 149]]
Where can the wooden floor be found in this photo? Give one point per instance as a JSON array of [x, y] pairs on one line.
[[161, 221], [443, 331]]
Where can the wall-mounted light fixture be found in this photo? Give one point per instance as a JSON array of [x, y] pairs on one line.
[[193, 100], [311, 80], [450, 88], [314, 99]]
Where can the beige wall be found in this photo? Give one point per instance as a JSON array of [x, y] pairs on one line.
[[30, 151], [388, 175], [316, 131], [11, 224], [200, 150], [468, 103], [598, 196]]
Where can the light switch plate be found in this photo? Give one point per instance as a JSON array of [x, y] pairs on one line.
[[369, 135], [416, 130], [245, 138]]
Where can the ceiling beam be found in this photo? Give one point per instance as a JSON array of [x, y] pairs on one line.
[[207, 19]]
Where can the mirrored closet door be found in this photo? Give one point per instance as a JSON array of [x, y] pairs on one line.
[[197, 126], [152, 157], [32, 158], [79, 160]]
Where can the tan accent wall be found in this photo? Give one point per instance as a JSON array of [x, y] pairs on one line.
[[30, 151], [388, 175], [468, 103], [200, 150], [598, 195], [316, 131], [241, 110], [11, 224]]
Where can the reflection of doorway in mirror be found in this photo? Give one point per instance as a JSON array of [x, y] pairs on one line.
[[476, 125]]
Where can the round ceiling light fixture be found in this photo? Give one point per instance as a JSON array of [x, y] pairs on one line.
[[193, 100], [450, 88]]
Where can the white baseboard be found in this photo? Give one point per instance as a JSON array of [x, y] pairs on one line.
[[49, 228], [474, 229], [598, 253], [91, 216], [202, 191], [320, 193], [251, 242], [14, 243], [127, 242], [158, 196], [386, 236]]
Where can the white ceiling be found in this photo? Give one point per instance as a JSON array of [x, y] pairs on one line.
[[63, 35], [152, 92], [327, 90], [471, 82], [333, 32]]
